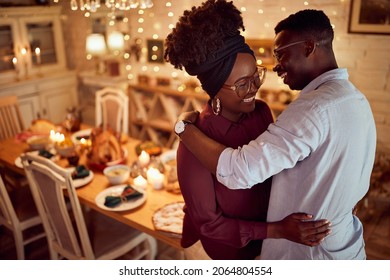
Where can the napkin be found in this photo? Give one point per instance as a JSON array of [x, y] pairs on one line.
[[80, 172], [127, 194], [45, 153]]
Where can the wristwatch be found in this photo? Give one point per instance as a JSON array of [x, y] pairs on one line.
[[180, 126]]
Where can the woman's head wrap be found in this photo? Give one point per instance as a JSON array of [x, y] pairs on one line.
[[218, 65]]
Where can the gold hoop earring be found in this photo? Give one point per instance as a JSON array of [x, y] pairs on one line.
[[216, 110]]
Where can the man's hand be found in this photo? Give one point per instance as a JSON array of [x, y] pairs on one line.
[[296, 227], [191, 116]]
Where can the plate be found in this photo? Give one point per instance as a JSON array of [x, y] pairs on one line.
[[18, 160], [117, 190], [85, 133], [77, 183]]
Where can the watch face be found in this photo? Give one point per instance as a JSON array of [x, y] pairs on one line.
[[179, 127]]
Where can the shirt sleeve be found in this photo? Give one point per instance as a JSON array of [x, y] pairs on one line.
[[290, 139], [197, 187]]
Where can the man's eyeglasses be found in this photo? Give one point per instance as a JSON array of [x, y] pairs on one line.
[[276, 51], [244, 85]]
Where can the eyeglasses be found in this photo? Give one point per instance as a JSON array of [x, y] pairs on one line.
[[244, 85], [278, 56]]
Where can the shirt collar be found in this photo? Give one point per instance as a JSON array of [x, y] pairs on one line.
[[335, 74], [219, 122]]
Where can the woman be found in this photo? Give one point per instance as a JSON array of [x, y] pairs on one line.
[[229, 224]]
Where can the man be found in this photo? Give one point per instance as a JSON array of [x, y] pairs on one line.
[[321, 148]]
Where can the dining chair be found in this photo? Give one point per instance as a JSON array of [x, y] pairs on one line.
[[73, 233], [112, 109], [11, 120], [19, 216], [11, 123]]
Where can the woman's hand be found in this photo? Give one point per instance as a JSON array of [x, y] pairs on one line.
[[298, 228]]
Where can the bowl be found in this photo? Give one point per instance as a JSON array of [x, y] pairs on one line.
[[38, 142], [66, 148], [117, 174]]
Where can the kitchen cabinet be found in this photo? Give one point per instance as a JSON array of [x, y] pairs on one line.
[[41, 81], [31, 42], [45, 97]]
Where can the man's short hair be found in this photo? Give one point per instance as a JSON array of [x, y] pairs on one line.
[[311, 24]]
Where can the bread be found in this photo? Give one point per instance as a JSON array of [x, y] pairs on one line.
[[169, 219], [42, 126]]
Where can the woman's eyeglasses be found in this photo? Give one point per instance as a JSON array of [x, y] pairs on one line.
[[243, 86]]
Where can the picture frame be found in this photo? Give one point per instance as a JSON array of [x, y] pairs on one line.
[[263, 50], [369, 17], [155, 51]]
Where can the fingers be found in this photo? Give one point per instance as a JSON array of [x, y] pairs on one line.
[[301, 216], [316, 239], [316, 228]]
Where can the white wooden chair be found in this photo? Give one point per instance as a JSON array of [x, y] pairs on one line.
[[19, 216], [112, 109], [11, 123], [11, 120], [71, 235]]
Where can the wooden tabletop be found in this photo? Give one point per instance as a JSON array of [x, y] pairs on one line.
[[139, 218]]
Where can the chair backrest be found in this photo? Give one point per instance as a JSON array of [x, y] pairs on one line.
[[8, 215], [112, 109], [11, 120], [65, 228]]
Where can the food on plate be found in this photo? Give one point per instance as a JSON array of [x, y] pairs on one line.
[[171, 182], [42, 126], [65, 148], [106, 146], [169, 218], [150, 147], [38, 142]]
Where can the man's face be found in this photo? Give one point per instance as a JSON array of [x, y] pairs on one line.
[[291, 59]]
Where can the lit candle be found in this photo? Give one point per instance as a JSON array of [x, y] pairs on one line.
[[52, 136], [23, 52], [140, 182], [38, 54], [155, 178], [15, 62], [143, 159]]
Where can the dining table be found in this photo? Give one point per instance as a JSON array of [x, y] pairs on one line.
[[139, 218]]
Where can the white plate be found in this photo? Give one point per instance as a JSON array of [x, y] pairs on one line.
[[82, 181], [116, 191], [18, 160], [80, 133]]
